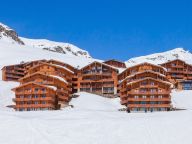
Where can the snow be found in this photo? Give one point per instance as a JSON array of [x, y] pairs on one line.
[[94, 119], [60, 78], [44, 43], [159, 58], [52, 87]]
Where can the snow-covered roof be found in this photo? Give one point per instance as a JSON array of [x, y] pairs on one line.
[[147, 71], [147, 78]]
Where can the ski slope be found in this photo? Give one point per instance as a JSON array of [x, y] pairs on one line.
[[96, 120]]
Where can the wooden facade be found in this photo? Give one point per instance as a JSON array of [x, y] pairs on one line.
[[74, 70], [63, 89], [98, 78], [32, 97], [179, 73], [13, 72], [144, 87], [115, 63]]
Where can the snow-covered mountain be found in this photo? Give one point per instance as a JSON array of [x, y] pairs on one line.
[[9, 35], [159, 58]]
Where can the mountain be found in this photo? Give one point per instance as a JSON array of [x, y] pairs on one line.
[[159, 58], [9, 35]]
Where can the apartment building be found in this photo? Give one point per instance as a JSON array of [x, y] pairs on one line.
[[98, 78], [144, 87]]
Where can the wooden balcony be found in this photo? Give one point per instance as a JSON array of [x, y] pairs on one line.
[[13, 76], [148, 93], [149, 99], [33, 99], [178, 76], [177, 66], [97, 73], [148, 86], [149, 105], [12, 72], [93, 81], [108, 85], [19, 68], [35, 106], [30, 92]]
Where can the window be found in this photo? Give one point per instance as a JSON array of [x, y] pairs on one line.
[[153, 90], [152, 97], [29, 96], [36, 89], [36, 96], [160, 96], [36, 102], [43, 102], [152, 83], [143, 102], [43, 96], [144, 97], [136, 97], [21, 96], [43, 90]]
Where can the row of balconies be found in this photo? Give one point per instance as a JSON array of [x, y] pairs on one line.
[[33, 99], [31, 92], [149, 105], [148, 92], [34, 106]]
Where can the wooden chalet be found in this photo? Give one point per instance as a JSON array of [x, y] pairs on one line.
[[144, 87], [98, 78], [179, 73], [33, 97], [13, 72]]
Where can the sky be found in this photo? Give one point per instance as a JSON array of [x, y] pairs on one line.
[[118, 29]]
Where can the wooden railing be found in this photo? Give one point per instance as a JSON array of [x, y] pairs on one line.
[[35, 106], [148, 93], [33, 99], [149, 105]]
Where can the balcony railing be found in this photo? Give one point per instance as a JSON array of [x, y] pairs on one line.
[[149, 105], [148, 93], [149, 99], [30, 92], [33, 99], [35, 106]]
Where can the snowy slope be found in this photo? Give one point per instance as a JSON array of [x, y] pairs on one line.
[[59, 47], [159, 58], [96, 120], [9, 35]]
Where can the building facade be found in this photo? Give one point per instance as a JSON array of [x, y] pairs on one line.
[[98, 78], [179, 73], [144, 87]]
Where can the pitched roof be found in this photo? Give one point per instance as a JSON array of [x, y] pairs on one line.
[[149, 78], [34, 84], [101, 64], [144, 63], [54, 65], [50, 76], [147, 71]]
